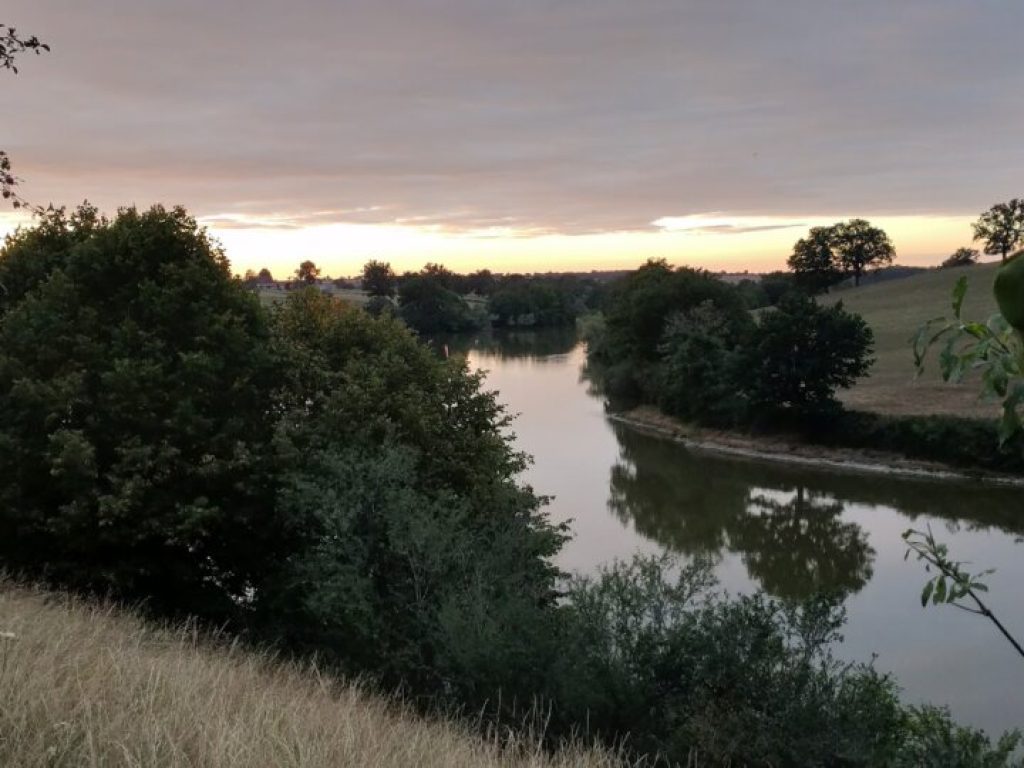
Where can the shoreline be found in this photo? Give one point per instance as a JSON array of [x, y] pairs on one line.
[[781, 450]]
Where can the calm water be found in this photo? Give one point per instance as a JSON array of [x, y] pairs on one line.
[[783, 529]]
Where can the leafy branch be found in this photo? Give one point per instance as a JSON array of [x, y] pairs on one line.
[[12, 45], [951, 584], [995, 349]]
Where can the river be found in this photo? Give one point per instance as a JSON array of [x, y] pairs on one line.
[[788, 530]]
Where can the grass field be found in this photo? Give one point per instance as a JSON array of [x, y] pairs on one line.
[[87, 685], [894, 310]]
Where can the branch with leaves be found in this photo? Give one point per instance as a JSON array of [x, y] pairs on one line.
[[11, 46], [994, 348], [952, 584]]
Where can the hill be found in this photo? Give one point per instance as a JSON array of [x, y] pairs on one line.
[[90, 685], [895, 309]]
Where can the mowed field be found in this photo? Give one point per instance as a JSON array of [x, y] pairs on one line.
[[895, 309]]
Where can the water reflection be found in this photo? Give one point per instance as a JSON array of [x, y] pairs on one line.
[[792, 540], [504, 344]]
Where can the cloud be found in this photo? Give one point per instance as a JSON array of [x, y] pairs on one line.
[[578, 117], [719, 224]]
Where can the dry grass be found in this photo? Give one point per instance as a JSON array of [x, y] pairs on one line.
[[88, 685], [894, 310]]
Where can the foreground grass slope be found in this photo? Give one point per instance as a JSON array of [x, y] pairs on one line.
[[86, 685], [894, 310]]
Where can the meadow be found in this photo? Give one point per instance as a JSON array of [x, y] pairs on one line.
[[894, 310], [88, 684]]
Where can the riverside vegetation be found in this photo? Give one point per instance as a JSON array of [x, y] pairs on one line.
[[685, 341], [313, 479]]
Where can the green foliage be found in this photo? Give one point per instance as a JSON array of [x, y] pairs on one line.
[[638, 310], [700, 361], [801, 353], [700, 679], [860, 246], [379, 279], [827, 255], [814, 261], [428, 306], [1001, 227], [994, 349], [960, 442], [933, 739], [134, 413]]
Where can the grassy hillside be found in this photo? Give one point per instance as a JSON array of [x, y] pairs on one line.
[[82, 685], [894, 310]]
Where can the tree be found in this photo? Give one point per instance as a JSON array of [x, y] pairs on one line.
[[308, 272], [814, 262], [802, 353], [11, 45], [379, 279], [961, 257], [860, 246], [264, 274], [1001, 227], [135, 414], [428, 307]]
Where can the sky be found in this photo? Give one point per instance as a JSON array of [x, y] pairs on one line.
[[525, 135]]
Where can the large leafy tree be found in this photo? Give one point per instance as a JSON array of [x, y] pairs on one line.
[[814, 261], [860, 247], [307, 272], [11, 46], [134, 412], [802, 353], [1001, 227], [828, 255], [379, 279]]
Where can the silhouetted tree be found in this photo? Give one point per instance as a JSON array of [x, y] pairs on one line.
[[860, 246], [264, 274], [379, 279], [961, 257], [307, 272], [814, 261], [1001, 227]]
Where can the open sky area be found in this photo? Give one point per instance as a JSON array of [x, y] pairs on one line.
[[524, 136]]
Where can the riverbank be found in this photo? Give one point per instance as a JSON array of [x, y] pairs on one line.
[[790, 449]]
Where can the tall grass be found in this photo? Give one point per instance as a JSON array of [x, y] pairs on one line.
[[84, 684]]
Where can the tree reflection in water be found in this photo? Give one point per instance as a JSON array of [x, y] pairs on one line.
[[793, 542]]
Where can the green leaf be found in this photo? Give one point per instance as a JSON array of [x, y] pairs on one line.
[[959, 292], [927, 592], [940, 591]]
